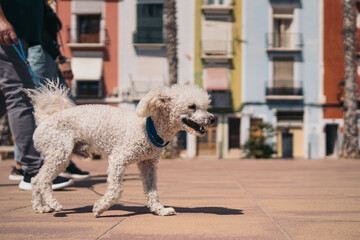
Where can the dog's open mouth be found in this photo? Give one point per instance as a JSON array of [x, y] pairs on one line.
[[194, 125]]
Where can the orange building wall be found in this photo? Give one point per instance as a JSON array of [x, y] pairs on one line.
[[111, 52], [333, 56], [63, 11], [110, 67]]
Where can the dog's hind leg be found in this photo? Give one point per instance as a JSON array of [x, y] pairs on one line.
[[54, 163], [148, 176], [114, 189]]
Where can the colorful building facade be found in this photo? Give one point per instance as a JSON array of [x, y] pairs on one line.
[[272, 61], [282, 74], [218, 70]]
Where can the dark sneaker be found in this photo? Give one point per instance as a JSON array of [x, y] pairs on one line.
[[16, 174], [58, 182], [72, 171]]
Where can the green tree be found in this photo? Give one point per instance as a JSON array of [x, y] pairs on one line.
[[256, 146]]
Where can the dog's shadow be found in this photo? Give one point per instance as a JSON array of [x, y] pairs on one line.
[[137, 210], [141, 210], [100, 179]]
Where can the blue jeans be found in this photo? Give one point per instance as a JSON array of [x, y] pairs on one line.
[[14, 76], [44, 67]]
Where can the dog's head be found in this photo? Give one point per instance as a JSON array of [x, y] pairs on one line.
[[185, 107]]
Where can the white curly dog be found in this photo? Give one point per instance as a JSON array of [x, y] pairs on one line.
[[123, 137]]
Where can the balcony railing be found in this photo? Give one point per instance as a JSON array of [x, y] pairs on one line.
[[217, 6], [218, 2], [220, 99], [284, 41], [77, 39], [284, 88], [216, 50], [149, 36], [141, 85]]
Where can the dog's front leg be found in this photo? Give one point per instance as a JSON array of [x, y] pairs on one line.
[[114, 189], [148, 176]]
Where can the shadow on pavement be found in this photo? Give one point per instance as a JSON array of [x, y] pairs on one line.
[[140, 210], [99, 179], [9, 185]]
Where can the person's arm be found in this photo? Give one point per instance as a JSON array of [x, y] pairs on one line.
[[50, 44], [7, 32], [64, 67]]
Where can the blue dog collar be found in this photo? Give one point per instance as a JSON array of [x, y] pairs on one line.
[[152, 134]]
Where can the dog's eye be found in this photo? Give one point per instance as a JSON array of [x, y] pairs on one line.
[[192, 107]]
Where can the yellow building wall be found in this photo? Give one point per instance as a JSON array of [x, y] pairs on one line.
[[198, 69], [235, 80], [298, 142]]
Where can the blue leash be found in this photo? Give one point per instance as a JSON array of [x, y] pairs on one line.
[[152, 134], [23, 57]]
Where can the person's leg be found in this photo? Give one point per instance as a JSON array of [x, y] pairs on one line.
[[16, 171], [45, 67], [17, 154], [17, 174], [14, 76]]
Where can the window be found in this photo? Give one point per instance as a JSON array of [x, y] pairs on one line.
[[88, 89], [88, 28], [282, 22], [214, 2], [283, 69], [216, 36], [217, 78], [149, 28], [220, 99]]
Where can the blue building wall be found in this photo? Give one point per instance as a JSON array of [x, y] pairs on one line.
[[257, 73]]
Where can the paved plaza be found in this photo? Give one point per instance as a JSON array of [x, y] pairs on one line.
[[214, 199]]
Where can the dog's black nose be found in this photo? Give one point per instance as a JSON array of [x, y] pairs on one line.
[[212, 119]]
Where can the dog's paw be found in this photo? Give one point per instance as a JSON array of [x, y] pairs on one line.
[[166, 211], [97, 211], [43, 209], [58, 208]]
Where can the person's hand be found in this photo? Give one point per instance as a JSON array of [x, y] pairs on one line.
[[65, 70], [7, 33]]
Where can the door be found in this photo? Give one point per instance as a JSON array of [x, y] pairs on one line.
[[287, 145], [206, 145], [331, 137], [234, 133]]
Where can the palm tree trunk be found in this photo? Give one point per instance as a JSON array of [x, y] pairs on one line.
[[350, 147], [171, 39], [172, 150]]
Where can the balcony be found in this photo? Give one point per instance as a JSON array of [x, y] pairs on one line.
[[141, 85], [220, 99], [284, 90], [216, 50], [149, 38], [217, 7], [98, 39], [286, 42]]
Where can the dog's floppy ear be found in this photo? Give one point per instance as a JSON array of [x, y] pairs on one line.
[[152, 103]]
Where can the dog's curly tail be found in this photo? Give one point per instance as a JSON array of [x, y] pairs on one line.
[[52, 97]]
